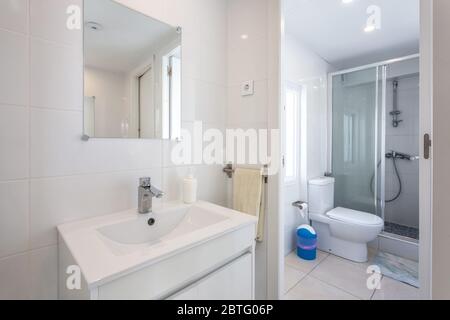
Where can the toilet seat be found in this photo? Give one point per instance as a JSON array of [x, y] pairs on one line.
[[354, 217], [346, 233]]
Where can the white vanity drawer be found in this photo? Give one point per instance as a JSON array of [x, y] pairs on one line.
[[167, 277], [232, 282]]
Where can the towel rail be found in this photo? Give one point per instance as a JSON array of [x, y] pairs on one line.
[[229, 170]]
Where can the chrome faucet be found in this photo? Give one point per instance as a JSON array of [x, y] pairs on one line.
[[146, 194]]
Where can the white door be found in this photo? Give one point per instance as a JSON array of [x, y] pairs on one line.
[[147, 106]]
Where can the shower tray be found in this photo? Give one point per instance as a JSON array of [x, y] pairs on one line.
[[403, 231]]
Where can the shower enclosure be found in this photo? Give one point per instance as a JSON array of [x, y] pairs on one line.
[[374, 116]]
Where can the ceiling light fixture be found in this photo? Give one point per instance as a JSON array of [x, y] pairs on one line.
[[244, 36], [347, 1]]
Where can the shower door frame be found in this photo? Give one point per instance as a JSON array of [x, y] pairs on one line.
[[380, 68]]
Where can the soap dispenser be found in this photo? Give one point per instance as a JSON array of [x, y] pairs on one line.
[[190, 188]]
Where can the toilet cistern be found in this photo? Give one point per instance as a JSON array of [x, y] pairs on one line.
[[146, 194]]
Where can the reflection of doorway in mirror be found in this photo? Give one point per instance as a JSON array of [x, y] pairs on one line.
[[147, 106]]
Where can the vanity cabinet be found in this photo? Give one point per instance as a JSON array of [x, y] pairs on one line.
[[215, 262]]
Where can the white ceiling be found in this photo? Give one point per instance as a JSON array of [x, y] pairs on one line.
[[335, 31], [127, 38]]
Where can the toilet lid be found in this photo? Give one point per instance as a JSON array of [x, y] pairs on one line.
[[354, 217]]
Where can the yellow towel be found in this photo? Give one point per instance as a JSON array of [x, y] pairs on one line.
[[248, 196]]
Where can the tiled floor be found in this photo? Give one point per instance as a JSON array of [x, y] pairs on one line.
[[334, 278]]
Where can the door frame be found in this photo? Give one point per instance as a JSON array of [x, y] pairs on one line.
[[426, 166]]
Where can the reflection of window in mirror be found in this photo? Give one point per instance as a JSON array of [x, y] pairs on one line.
[[172, 95]]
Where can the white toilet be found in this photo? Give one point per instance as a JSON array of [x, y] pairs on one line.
[[342, 232]]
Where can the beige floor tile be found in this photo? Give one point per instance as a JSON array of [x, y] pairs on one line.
[[345, 275], [294, 261], [364, 265], [313, 289], [292, 277], [395, 290]]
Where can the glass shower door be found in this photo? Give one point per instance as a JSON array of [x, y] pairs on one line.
[[356, 139]]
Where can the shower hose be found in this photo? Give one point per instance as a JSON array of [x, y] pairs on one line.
[[397, 173]]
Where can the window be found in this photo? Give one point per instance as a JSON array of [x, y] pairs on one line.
[[292, 113], [172, 95]]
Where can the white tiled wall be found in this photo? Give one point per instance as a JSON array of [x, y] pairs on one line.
[[405, 138], [14, 15], [248, 60], [62, 67], [14, 87], [307, 70], [48, 176], [14, 133]]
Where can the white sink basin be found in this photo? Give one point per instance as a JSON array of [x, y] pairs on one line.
[[167, 224], [109, 247]]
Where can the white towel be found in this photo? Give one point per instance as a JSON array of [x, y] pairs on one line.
[[248, 196]]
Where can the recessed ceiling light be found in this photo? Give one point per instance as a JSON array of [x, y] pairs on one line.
[[347, 1], [94, 26], [244, 36]]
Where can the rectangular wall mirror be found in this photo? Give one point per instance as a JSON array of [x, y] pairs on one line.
[[132, 74]]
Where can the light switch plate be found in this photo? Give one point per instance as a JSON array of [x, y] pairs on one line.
[[248, 88]]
